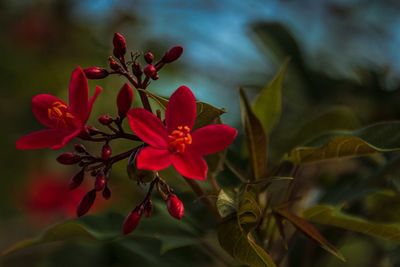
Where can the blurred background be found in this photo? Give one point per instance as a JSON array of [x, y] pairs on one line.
[[344, 55]]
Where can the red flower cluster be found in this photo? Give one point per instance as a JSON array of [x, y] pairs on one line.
[[63, 122], [176, 142]]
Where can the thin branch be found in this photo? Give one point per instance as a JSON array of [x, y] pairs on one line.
[[200, 193], [235, 171], [143, 96]]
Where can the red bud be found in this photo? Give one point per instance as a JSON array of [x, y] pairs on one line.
[[173, 54], [86, 203], [149, 57], [132, 221], [105, 119], [113, 64], [106, 192], [95, 73], [124, 100], [150, 71], [175, 206], [68, 158], [148, 209], [100, 182], [106, 152], [80, 148], [76, 180], [91, 130], [119, 43]]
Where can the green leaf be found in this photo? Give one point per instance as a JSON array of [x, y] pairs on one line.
[[69, 230], [170, 242], [268, 104], [226, 203], [107, 227], [255, 138], [241, 246], [309, 230], [248, 212], [161, 101], [381, 137], [333, 216], [206, 113], [335, 118], [234, 231]]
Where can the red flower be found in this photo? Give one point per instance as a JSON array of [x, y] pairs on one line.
[[176, 143], [63, 122], [46, 195]]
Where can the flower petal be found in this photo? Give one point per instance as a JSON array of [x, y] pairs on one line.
[[41, 139], [40, 108], [212, 138], [91, 102], [190, 165], [153, 159], [148, 127], [66, 139], [181, 109], [78, 94]]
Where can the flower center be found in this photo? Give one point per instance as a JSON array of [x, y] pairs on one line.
[[179, 138], [59, 113]]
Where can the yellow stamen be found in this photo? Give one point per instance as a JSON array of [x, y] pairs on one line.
[[179, 138], [59, 113]]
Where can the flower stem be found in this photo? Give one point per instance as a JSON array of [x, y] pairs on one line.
[[200, 193], [143, 96]]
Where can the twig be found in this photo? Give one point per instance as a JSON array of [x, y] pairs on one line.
[[199, 192]]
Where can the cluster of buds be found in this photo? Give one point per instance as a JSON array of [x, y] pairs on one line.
[[174, 206], [141, 75], [163, 142], [84, 159]]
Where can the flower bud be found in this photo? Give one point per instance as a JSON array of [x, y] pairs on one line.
[[148, 208], [124, 100], [86, 203], [119, 43], [106, 152], [113, 64], [173, 54], [150, 71], [68, 158], [105, 119], [80, 148], [132, 221], [175, 206], [76, 180], [137, 69], [91, 130], [155, 77], [106, 192], [100, 182], [95, 73], [88, 131], [149, 57]]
